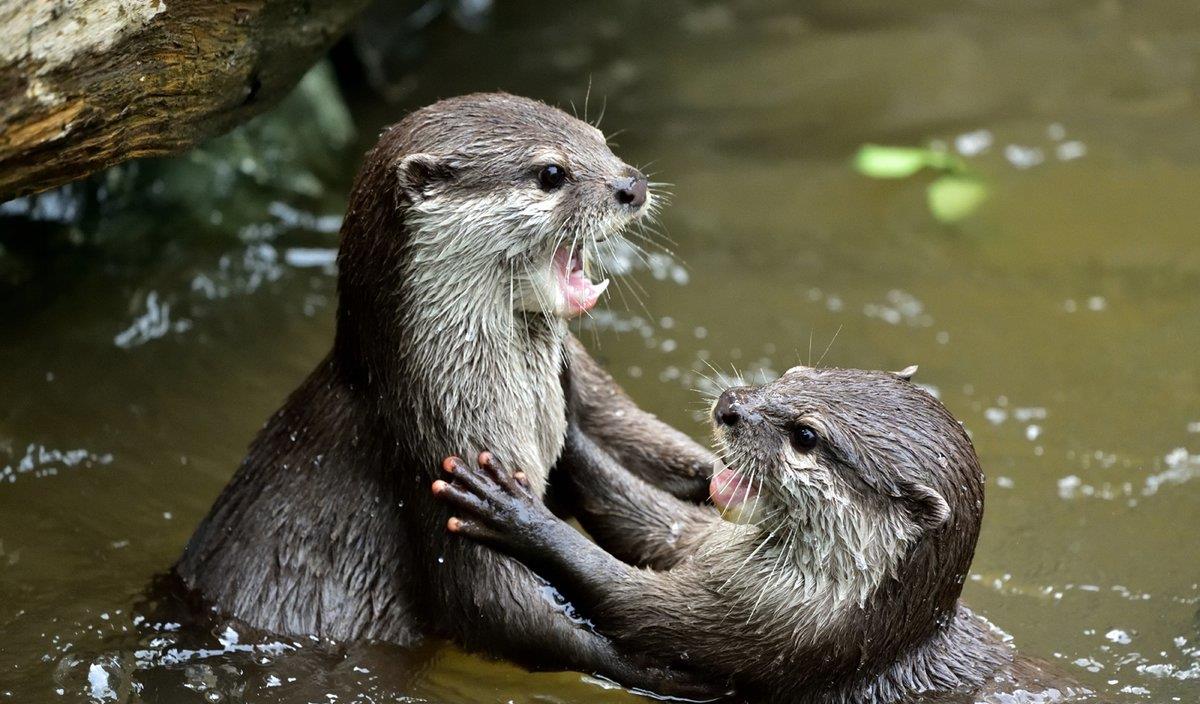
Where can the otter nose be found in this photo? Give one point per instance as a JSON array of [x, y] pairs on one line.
[[631, 190], [728, 410]]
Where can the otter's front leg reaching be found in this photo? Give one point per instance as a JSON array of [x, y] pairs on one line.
[[631, 480], [524, 634], [844, 587], [497, 508], [628, 516], [636, 439]]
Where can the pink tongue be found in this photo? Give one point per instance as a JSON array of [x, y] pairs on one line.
[[729, 489], [578, 292]]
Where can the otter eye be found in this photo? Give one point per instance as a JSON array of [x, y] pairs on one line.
[[551, 177], [804, 438]]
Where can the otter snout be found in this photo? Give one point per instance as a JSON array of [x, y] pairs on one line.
[[631, 190], [732, 407]]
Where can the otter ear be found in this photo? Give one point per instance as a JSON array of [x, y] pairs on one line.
[[928, 507], [907, 373], [418, 174]]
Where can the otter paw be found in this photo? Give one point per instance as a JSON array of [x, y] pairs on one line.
[[489, 503]]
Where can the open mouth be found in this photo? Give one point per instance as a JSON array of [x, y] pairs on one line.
[[733, 494], [576, 292]]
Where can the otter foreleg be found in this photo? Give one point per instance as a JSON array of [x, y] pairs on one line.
[[638, 440], [498, 509], [533, 632], [630, 518]]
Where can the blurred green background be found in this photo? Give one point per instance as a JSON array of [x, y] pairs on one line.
[[156, 314]]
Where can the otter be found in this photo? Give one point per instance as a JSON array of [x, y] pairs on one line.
[[468, 242], [852, 502]]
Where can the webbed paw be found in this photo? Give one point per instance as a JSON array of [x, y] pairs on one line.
[[491, 505]]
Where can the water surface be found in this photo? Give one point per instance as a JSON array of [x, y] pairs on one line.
[[1060, 321]]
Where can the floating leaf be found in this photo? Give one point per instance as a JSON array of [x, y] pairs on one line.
[[953, 198], [945, 161], [890, 162]]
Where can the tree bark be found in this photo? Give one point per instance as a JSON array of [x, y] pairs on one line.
[[85, 84]]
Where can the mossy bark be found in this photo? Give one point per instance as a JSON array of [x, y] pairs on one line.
[[85, 85]]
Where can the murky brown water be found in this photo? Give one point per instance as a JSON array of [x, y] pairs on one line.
[[1061, 322]]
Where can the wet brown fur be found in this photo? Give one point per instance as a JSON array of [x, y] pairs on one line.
[[328, 527], [895, 447]]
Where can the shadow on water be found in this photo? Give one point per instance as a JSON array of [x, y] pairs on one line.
[[155, 316]]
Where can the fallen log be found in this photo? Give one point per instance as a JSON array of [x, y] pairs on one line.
[[85, 85]]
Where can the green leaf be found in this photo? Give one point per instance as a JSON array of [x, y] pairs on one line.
[[890, 162], [945, 161], [953, 198]]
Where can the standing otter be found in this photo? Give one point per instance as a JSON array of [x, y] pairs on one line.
[[462, 255], [858, 500]]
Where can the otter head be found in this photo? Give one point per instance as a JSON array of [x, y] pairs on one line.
[[850, 469], [510, 195]]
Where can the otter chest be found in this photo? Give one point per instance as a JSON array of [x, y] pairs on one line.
[[535, 439], [505, 399]]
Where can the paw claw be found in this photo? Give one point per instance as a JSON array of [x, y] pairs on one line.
[[451, 463], [485, 458], [439, 486], [453, 525]]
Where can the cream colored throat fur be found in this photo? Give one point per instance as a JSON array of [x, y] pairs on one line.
[[483, 376], [819, 549]]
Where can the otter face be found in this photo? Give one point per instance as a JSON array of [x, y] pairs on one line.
[[854, 465], [522, 192]]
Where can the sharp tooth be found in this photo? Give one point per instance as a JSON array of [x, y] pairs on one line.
[[599, 288]]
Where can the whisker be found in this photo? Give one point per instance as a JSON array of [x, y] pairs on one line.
[[586, 96], [603, 109], [619, 284], [629, 282], [835, 337], [746, 561]]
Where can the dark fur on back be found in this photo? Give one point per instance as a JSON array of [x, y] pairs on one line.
[[898, 457], [328, 527], [846, 588], [304, 538], [893, 442]]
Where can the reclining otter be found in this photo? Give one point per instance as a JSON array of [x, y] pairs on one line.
[[857, 499]]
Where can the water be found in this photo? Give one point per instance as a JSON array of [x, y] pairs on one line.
[[1060, 321]]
